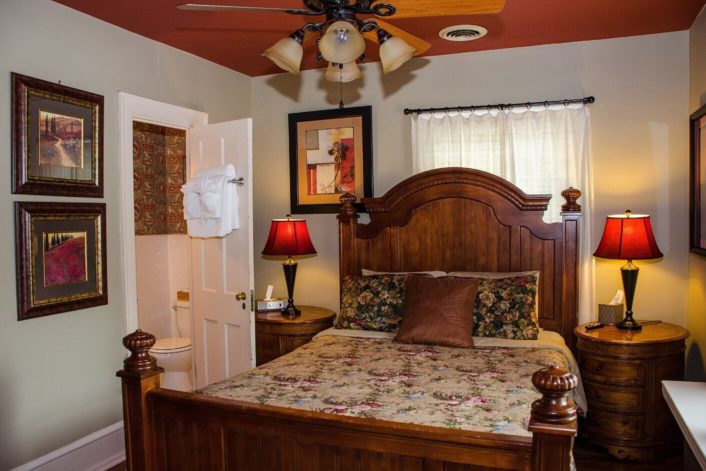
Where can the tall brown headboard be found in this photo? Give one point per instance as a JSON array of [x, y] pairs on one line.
[[457, 219]]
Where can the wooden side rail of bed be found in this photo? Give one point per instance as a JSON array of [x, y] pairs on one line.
[[172, 430]]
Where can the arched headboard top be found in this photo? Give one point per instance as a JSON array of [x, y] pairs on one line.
[[443, 178], [458, 219], [510, 203]]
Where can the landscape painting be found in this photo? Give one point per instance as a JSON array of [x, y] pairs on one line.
[[330, 154], [57, 139], [60, 140], [64, 258], [60, 257]]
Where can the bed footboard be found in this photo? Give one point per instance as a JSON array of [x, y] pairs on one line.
[[167, 429]]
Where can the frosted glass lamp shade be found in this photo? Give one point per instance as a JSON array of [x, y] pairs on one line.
[[394, 52], [349, 72], [342, 43], [287, 54]]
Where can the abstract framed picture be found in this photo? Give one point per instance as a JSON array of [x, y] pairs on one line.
[[57, 139], [330, 154], [61, 257], [697, 182]]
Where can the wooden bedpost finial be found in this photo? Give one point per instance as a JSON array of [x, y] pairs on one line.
[[554, 407], [140, 360], [571, 194], [347, 209]]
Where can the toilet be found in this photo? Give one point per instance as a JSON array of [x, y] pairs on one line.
[[174, 353]]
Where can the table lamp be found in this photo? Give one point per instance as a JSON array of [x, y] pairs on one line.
[[289, 237], [628, 237]]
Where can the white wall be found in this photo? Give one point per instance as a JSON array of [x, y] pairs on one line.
[[162, 268], [639, 144], [57, 373], [696, 320]]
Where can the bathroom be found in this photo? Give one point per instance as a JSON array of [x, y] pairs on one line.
[[162, 248]]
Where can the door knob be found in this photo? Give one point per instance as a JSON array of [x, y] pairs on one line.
[[241, 296]]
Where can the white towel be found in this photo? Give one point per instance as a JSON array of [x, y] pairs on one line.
[[212, 193], [229, 218], [192, 200]]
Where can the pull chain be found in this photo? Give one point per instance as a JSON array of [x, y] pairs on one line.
[[340, 82]]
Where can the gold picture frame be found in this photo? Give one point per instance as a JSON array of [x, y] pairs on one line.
[[61, 257], [57, 139]]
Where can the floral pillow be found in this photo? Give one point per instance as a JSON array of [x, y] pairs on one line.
[[371, 302], [507, 307]]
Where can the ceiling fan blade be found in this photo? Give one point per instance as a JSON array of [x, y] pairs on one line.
[[422, 8], [419, 44], [206, 7]]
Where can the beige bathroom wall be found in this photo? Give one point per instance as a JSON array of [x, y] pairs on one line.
[[639, 144], [57, 373], [696, 316]]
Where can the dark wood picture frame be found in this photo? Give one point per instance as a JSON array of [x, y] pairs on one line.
[[57, 139], [697, 182], [341, 169], [60, 257]]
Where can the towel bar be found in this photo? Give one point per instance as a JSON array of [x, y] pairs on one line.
[[240, 181]]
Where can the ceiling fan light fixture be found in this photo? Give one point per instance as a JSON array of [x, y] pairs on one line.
[[342, 43], [287, 53], [342, 72], [394, 51]]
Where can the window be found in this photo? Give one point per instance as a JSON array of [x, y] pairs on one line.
[[541, 149]]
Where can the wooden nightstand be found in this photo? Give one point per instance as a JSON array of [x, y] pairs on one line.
[[622, 372], [276, 335]]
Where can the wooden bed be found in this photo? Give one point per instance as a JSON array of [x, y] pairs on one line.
[[448, 219]]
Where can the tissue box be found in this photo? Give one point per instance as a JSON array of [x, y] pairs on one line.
[[610, 313]]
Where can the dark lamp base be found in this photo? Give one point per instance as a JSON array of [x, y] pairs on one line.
[[628, 323], [291, 312]]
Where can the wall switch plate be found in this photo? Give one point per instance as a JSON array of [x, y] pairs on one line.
[[270, 304]]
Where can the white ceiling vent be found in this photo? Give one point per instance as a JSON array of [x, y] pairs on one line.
[[463, 33]]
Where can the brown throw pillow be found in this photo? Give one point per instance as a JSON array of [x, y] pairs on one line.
[[438, 311]]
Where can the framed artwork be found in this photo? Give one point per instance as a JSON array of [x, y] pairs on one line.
[[698, 182], [330, 153], [61, 257], [57, 139]]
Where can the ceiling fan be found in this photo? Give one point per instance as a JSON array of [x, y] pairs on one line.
[[347, 23]]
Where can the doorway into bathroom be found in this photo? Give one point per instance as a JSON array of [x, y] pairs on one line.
[[169, 276], [162, 249]]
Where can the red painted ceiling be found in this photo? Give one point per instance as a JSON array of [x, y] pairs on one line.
[[236, 39]]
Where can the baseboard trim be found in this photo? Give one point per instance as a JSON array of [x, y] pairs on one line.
[[95, 452]]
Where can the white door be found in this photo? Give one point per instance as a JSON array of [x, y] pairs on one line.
[[222, 268]]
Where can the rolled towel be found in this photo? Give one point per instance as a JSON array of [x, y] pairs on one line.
[[212, 197], [192, 200]]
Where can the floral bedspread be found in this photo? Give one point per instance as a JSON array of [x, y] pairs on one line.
[[486, 389]]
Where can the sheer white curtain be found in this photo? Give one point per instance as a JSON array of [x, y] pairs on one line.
[[543, 149]]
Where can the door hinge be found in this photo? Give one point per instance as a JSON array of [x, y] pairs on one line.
[[252, 301]]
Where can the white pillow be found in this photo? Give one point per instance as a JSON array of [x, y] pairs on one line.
[[432, 273]]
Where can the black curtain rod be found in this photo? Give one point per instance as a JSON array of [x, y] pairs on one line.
[[506, 106]]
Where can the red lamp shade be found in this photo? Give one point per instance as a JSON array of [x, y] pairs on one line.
[[288, 237], [628, 237]]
